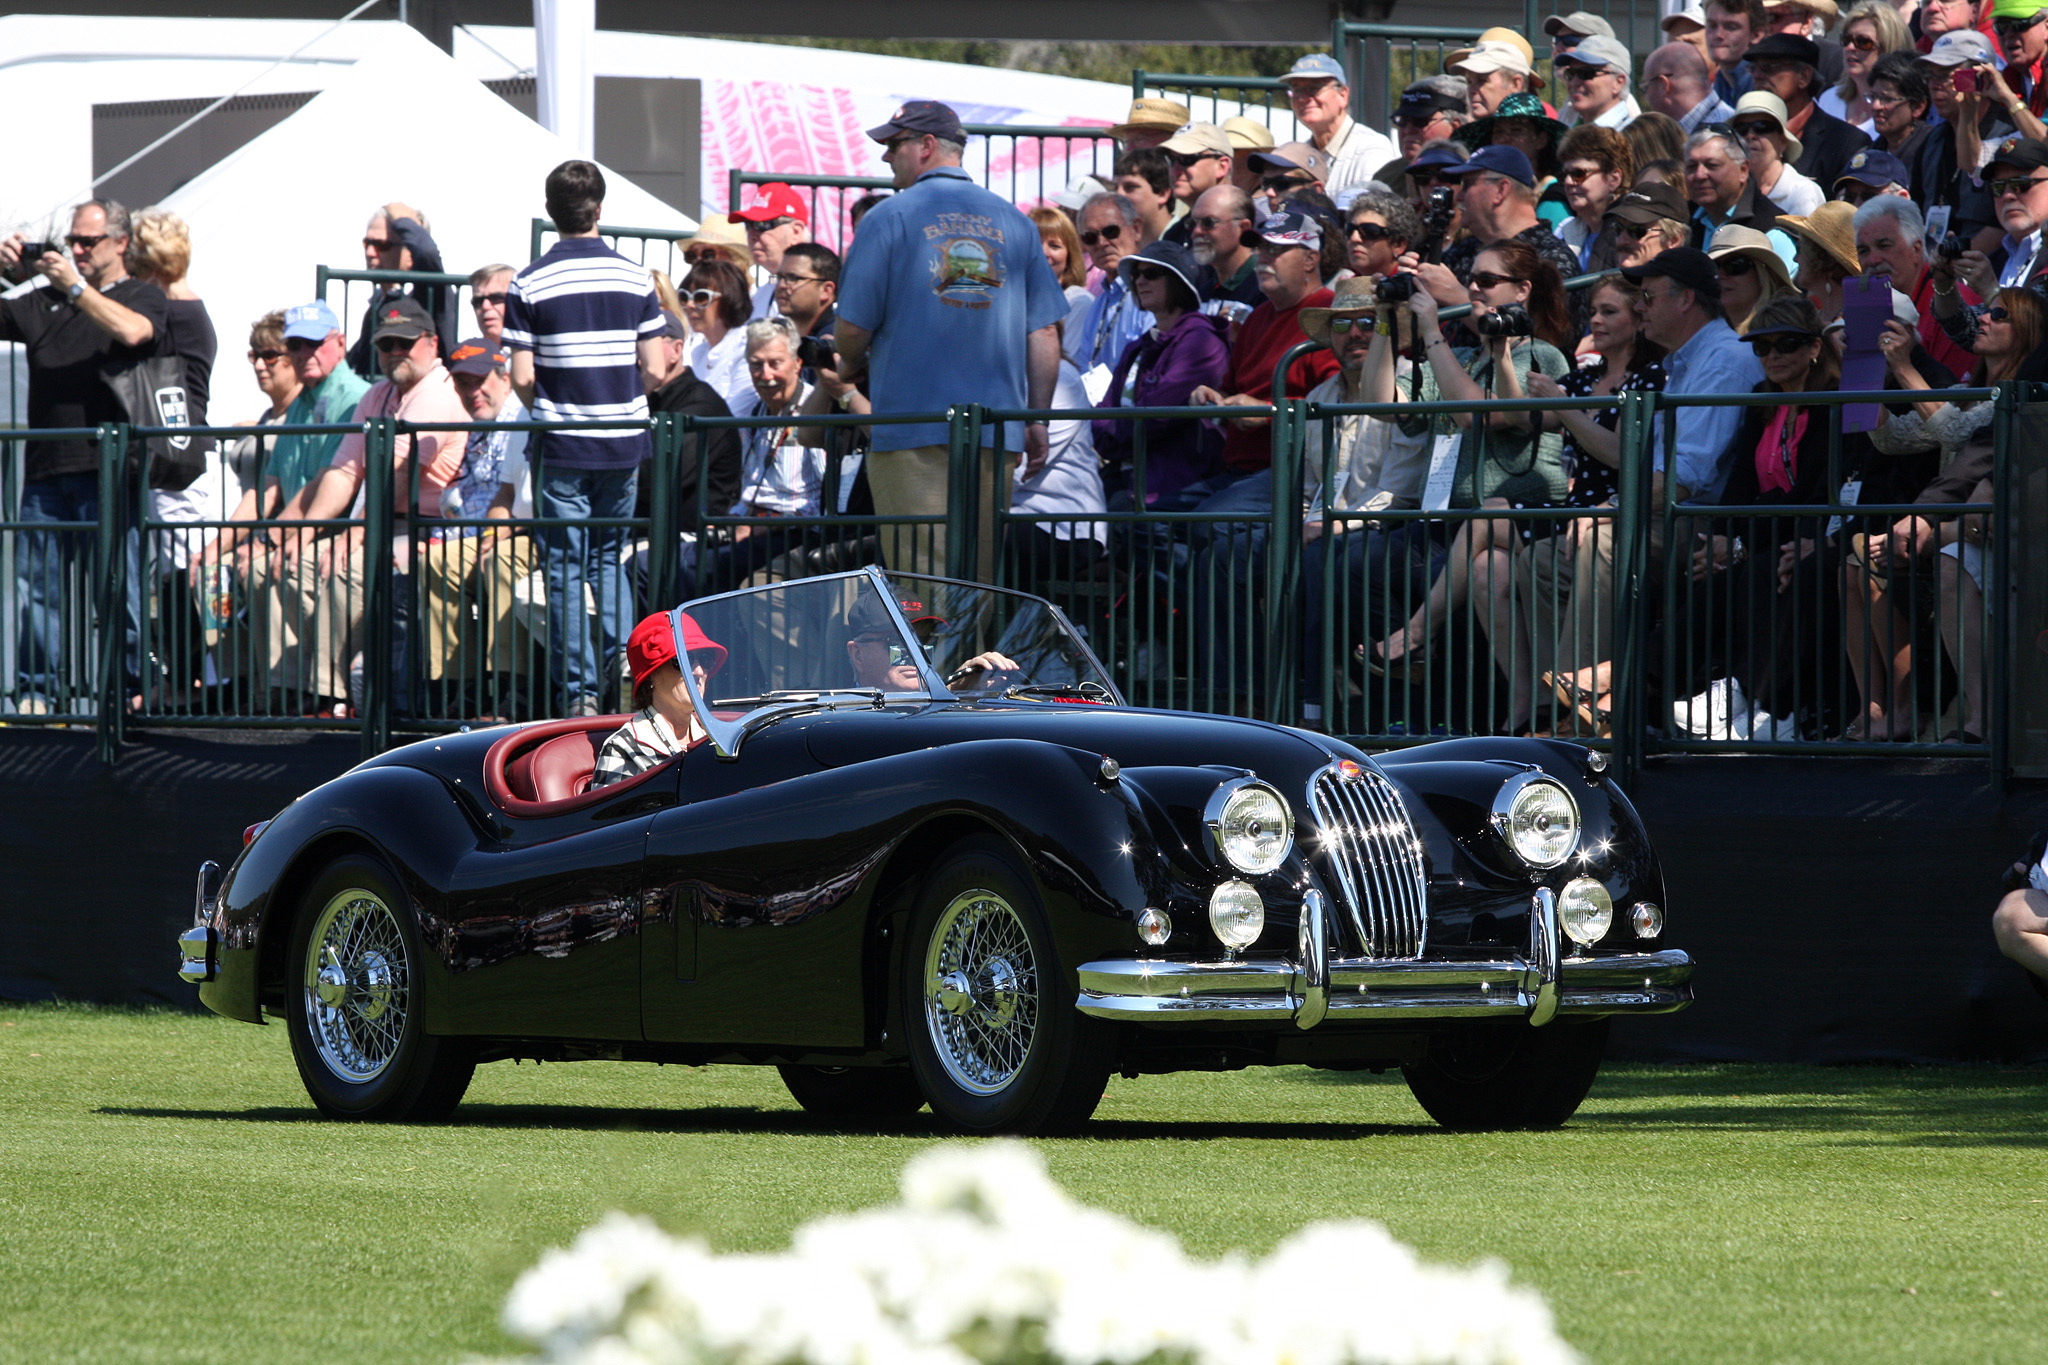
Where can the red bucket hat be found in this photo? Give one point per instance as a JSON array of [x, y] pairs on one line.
[[653, 644]]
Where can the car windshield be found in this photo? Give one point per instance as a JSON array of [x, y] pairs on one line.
[[863, 638]]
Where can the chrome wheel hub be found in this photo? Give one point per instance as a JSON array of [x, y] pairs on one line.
[[356, 986], [981, 992]]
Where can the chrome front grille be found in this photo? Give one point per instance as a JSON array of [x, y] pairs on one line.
[[1370, 845]]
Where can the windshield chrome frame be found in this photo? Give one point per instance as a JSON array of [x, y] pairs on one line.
[[1066, 623]]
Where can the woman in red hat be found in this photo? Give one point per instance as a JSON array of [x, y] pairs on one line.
[[666, 723]]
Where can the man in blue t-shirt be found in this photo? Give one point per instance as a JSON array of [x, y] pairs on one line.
[[946, 299], [584, 330]]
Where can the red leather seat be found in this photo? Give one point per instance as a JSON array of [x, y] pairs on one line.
[[556, 768], [545, 769]]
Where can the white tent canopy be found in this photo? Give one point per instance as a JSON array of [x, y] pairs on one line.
[[299, 195]]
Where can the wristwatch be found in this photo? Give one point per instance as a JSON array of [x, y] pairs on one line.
[[77, 288]]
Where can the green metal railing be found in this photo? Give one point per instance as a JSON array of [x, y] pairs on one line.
[[1261, 98]]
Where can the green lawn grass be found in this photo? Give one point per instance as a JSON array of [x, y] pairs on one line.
[[167, 1193]]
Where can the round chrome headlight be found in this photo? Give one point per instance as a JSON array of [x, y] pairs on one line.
[[1237, 914], [1252, 826], [1585, 910], [1538, 818]]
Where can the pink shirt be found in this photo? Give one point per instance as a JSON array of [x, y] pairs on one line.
[[433, 399]]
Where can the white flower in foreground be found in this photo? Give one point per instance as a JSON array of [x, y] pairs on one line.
[[987, 1262]]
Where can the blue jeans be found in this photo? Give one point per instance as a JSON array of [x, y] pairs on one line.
[[580, 649], [54, 659]]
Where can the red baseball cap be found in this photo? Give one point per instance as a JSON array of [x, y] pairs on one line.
[[777, 201], [653, 644]]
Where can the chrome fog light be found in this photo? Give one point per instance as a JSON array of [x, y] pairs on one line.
[[1237, 915], [1647, 920], [1154, 926], [1538, 818], [1252, 826], [1585, 910]]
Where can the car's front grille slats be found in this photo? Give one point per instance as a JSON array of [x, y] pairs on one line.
[[1370, 846]]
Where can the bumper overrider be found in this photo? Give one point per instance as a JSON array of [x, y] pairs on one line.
[[1541, 984], [199, 946]]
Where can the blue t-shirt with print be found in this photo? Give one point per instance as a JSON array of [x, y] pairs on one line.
[[950, 279]]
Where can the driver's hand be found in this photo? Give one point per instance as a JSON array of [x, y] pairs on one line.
[[982, 663]]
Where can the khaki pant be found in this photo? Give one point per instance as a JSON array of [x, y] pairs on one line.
[[310, 622], [914, 482], [467, 599]]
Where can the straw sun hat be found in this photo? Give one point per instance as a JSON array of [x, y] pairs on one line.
[[1354, 298], [1832, 228]]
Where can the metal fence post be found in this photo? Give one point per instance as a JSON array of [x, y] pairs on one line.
[[963, 500], [1626, 681], [111, 592], [663, 524], [380, 447], [1283, 564], [2004, 418]]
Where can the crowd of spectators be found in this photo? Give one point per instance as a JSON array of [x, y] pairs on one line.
[[1735, 189]]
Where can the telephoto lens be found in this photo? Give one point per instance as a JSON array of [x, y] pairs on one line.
[[1511, 321]]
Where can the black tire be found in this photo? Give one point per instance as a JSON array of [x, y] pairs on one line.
[[354, 1017], [996, 1043], [1499, 1075], [854, 1092]]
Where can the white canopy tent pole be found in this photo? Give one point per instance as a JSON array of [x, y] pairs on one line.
[[563, 83]]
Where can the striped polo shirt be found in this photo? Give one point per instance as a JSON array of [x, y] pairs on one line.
[[582, 309]]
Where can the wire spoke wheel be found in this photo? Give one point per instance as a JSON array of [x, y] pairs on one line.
[[981, 992], [357, 985]]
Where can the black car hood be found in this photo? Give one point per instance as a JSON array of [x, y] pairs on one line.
[[1134, 738]]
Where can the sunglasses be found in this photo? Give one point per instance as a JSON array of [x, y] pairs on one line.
[[479, 300], [2006, 28], [379, 243], [1754, 129], [1370, 232], [1149, 272], [1280, 184], [1735, 266], [1863, 42], [1207, 223], [899, 653], [1342, 325], [2017, 184], [1782, 345], [697, 295], [700, 254], [1103, 234], [1997, 313], [267, 356], [78, 243], [396, 345], [770, 225], [1416, 121], [1486, 279], [1575, 174]]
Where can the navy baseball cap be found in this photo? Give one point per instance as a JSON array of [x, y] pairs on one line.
[[918, 117], [1507, 161], [313, 321], [1435, 159], [477, 356], [1876, 169]]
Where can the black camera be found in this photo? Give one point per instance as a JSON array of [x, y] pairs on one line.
[[1397, 288], [31, 252], [1437, 211], [1510, 321], [1952, 247], [817, 353]]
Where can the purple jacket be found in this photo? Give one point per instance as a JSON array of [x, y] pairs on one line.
[[1194, 351]]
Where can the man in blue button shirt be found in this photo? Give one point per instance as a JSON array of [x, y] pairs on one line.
[[945, 300], [1680, 310]]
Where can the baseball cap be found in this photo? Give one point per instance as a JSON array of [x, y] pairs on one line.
[[313, 321], [1079, 191], [1959, 47], [2020, 153], [476, 356], [1435, 159], [402, 316], [1204, 139], [1507, 161], [1598, 51], [868, 615], [1685, 266], [1876, 168], [921, 116], [1694, 14], [1316, 66], [1433, 94], [1647, 204], [1783, 47], [2018, 9], [1584, 24], [653, 644], [1490, 57], [777, 201], [673, 327], [1293, 156], [1291, 227], [1247, 135]]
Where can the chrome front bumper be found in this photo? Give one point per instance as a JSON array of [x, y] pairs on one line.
[[1313, 988], [199, 946]]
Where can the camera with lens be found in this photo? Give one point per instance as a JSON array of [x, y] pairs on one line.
[[817, 353], [1437, 212], [1952, 247], [1510, 321], [31, 252], [1397, 288]]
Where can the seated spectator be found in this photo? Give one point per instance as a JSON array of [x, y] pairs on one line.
[[665, 722], [1497, 202], [2020, 923], [1879, 635], [1891, 238], [1319, 93], [1680, 308], [1648, 220], [858, 210], [806, 287], [1063, 253], [1432, 108], [1062, 545], [1519, 122], [1826, 255], [1760, 122], [774, 223], [1788, 66], [1899, 102], [1942, 174], [1516, 464], [1426, 173], [1246, 136], [1151, 122], [1678, 83], [706, 481], [1751, 273], [1492, 72], [1755, 580], [779, 475], [1596, 167], [1871, 174], [1224, 276], [1872, 30], [1185, 350], [1655, 137], [398, 238], [717, 238], [1688, 26], [1596, 72], [1382, 229], [1289, 167], [2014, 177], [1100, 330], [1733, 26], [1670, 173], [487, 289], [1353, 467], [1200, 156], [714, 297], [1145, 178], [1723, 191]]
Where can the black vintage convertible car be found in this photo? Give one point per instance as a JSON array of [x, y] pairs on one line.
[[927, 855]]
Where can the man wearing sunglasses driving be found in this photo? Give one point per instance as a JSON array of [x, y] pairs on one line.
[[881, 659]]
